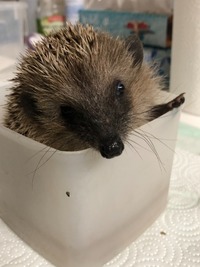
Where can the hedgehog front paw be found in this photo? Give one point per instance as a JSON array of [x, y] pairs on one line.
[[176, 102]]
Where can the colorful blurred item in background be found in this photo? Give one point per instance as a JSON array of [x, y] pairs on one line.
[[123, 23], [139, 27], [154, 30], [50, 15]]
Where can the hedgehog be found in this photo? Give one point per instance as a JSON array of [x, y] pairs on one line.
[[83, 88]]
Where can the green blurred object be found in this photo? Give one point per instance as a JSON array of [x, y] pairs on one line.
[[50, 15]]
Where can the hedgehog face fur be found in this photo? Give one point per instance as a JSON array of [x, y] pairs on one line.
[[80, 88]]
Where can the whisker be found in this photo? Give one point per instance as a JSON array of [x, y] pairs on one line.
[[160, 140], [130, 140], [129, 143], [37, 166], [34, 155], [53, 152], [152, 147]]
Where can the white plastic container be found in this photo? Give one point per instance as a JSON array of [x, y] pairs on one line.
[[77, 208], [13, 27]]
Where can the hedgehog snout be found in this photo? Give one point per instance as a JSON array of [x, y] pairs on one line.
[[111, 147]]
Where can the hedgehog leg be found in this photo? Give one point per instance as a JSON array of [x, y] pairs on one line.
[[159, 110]]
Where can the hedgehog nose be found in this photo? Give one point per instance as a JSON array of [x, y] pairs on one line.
[[111, 148]]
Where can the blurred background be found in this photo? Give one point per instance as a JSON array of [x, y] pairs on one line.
[[22, 23]]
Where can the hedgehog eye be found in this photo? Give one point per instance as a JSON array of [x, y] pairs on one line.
[[119, 88]]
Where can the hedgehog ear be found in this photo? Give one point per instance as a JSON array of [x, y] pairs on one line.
[[135, 47]]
